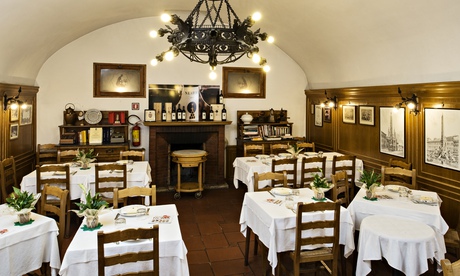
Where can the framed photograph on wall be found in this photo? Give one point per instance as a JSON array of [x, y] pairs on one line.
[[14, 114], [349, 114], [392, 131], [240, 82], [149, 115], [327, 114], [14, 131], [441, 138], [366, 115], [318, 116], [118, 80], [26, 115]]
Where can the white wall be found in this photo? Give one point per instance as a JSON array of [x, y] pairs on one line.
[[67, 77]]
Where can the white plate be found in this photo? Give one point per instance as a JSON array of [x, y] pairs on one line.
[[284, 154], [393, 188], [93, 116], [121, 162], [260, 156], [311, 154], [132, 210], [281, 191]]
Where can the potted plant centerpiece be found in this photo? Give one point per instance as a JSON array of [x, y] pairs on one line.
[[319, 185], [370, 181], [294, 150], [91, 207], [84, 158], [22, 203]]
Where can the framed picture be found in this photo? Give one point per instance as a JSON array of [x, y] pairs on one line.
[[149, 115], [26, 115], [14, 131], [14, 114], [327, 114], [392, 131], [349, 114], [318, 116], [366, 115], [118, 80], [240, 82], [441, 138]]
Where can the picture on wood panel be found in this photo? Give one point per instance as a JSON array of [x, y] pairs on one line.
[[392, 131], [366, 115], [26, 115], [327, 114], [349, 114], [318, 116], [442, 138], [14, 114], [14, 131]]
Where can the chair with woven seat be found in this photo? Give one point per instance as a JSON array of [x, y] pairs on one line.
[[136, 155], [307, 146], [66, 156], [46, 154], [398, 176], [290, 166], [278, 148], [340, 191], [310, 167], [450, 269], [152, 254], [328, 233], [253, 149], [108, 177], [7, 177], [346, 163], [135, 191]]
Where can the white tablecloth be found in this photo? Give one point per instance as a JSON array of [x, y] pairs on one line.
[[406, 244], [275, 224], [139, 176], [245, 167], [24, 248], [81, 256]]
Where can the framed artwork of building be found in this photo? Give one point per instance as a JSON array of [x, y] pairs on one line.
[[442, 137], [318, 116], [392, 131]]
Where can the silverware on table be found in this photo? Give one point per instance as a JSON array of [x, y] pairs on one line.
[[272, 194], [118, 214]]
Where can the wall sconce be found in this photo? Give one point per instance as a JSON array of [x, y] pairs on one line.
[[411, 103], [330, 101], [13, 102]]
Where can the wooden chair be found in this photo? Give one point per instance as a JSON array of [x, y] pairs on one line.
[[130, 256], [290, 166], [108, 177], [46, 154], [291, 260], [310, 167], [341, 187], [136, 155], [399, 164], [253, 149], [278, 148], [396, 176], [58, 176], [7, 177], [450, 269], [452, 240], [60, 212], [66, 156], [307, 146], [134, 192], [346, 163]]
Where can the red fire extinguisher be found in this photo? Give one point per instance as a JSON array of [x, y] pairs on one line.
[[136, 131]]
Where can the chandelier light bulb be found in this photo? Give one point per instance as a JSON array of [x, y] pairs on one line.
[[153, 34], [256, 58], [270, 39], [154, 62], [256, 16], [169, 55], [165, 17], [267, 68], [212, 75]]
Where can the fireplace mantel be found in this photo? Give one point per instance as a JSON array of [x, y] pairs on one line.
[[163, 134]]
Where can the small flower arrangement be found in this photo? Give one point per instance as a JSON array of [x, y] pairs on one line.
[[370, 179], [22, 201], [294, 150], [92, 204], [83, 157]]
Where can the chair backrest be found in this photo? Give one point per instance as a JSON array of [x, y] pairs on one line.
[[450, 269], [136, 155], [66, 155], [341, 187], [346, 163], [132, 256], [307, 146], [278, 148], [46, 154], [398, 176], [310, 167], [109, 176], [58, 210], [400, 164], [7, 177], [280, 177], [253, 149], [290, 166], [134, 192]]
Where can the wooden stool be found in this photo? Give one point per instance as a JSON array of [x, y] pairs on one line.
[[189, 158]]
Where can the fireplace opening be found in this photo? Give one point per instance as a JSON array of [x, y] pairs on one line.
[[186, 174]]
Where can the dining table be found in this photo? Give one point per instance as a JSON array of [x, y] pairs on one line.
[[81, 256], [245, 167], [24, 248], [268, 217]]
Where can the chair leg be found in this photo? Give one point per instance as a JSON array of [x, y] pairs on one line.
[[246, 246]]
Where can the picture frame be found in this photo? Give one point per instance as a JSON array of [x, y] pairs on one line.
[[327, 114], [14, 131], [119, 80], [393, 131], [441, 133], [14, 114], [242, 82], [318, 116], [149, 115], [349, 114], [26, 115], [367, 115]]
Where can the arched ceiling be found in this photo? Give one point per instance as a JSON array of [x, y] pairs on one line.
[[336, 43]]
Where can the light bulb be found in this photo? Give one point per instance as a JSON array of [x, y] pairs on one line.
[[14, 106], [331, 104], [410, 105], [270, 39], [256, 58], [154, 62], [165, 17], [169, 55], [213, 75], [267, 68], [256, 16], [153, 33], [322, 105]]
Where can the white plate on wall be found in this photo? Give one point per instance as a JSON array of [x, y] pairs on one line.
[[93, 116]]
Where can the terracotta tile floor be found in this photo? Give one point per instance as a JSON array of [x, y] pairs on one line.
[[215, 246]]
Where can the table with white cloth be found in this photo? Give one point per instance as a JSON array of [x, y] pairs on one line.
[[24, 248], [245, 167], [405, 243], [275, 224], [138, 174], [81, 256]]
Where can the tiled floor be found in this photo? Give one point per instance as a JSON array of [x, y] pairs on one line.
[[211, 233]]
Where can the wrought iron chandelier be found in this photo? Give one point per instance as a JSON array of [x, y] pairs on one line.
[[215, 37]]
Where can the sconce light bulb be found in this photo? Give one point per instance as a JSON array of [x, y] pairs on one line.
[[410, 105], [169, 55], [153, 33], [267, 68], [331, 104], [322, 104], [270, 39], [256, 16], [255, 58], [165, 17], [14, 106], [24, 106], [154, 62], [212, 75]]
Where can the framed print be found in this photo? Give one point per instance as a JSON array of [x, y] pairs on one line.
[[318, 116], [441, 138], [240, 82], [349, 113], [14, 131], [327, 114], [149, 115], [14, 114], [366, 115], [118, 80], [392, 131], [26, 115]]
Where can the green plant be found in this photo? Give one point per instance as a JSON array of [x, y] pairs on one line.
[[85, 157], [370, 178], [294, 149], [91, 202], [19, 200], [319, 182]]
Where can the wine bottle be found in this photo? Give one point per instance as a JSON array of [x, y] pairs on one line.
[[224, 114], [173, 113], [203, 113], [184, 113], [163, 113], [179, 113], [220, 98], [211, 114]]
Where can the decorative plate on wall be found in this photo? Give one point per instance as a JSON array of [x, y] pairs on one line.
[[93, 116]]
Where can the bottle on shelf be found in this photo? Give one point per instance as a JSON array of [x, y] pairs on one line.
[[184, 113], [179, 113], [203, 113], [220, 98], [173, 113], [163, 113], [211, 114], [224, 113]]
